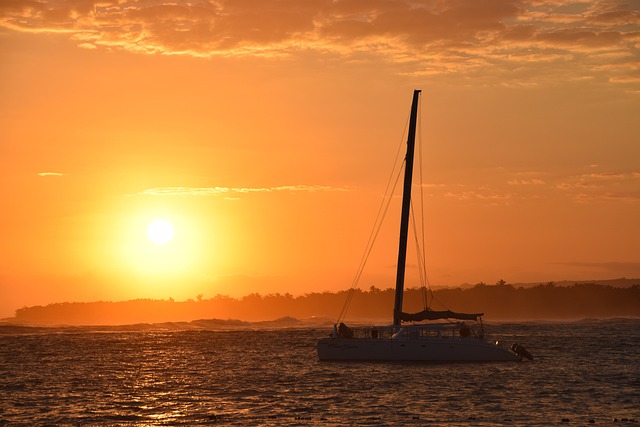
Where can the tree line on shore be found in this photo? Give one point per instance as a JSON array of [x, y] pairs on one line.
[[498, 302]]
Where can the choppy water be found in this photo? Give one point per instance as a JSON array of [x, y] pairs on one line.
[[584, 372]]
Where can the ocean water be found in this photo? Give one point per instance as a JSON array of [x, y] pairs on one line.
[[584, 373]]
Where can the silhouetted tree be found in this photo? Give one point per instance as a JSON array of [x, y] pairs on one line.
[[502, 301]]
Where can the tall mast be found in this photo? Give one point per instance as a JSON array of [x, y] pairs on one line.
[[406, 206]]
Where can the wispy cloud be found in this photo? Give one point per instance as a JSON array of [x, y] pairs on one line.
[[233, 192], [516, 37], [598, 180], [602, 186], [617, 269], [534, 181], [51, 174], [518, 186], [482, 194], [608, 197]]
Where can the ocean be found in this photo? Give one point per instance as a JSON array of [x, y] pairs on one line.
[[584, 372]]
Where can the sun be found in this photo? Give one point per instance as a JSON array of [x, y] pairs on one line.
[[160, 231]]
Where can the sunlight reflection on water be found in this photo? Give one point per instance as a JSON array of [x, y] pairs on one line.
[[583, 371]]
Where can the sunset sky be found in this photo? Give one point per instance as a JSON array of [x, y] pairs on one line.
[[264, 132]]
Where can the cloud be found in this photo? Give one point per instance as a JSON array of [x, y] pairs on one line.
[[608, 197], [51, 174], [616, 269], [599, 179], [233, 192], [534, 181], [508, 187], [605, 186], [482, 194], [519, 38]]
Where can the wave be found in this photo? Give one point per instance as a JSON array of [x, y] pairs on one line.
[[200, 324]]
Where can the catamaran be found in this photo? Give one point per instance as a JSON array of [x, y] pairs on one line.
[[413, 336]]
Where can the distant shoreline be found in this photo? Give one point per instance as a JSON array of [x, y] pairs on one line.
[[499, 303]]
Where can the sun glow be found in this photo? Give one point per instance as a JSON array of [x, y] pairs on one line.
[[160, 231], [164, 249]]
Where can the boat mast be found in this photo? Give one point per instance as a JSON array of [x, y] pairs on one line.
[[406, 206]]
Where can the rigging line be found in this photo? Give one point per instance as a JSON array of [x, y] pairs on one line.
[[384, 214], [422, 268], [382, 211], [424, 279], [422, 205], [346, 304], [387, 199]]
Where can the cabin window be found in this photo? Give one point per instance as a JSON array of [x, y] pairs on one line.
[[429, 333]]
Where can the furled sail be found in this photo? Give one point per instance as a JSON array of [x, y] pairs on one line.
[[435, 315]]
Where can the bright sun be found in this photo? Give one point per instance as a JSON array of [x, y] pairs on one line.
[[160, 231]]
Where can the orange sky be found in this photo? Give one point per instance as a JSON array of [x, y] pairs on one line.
[[265, 131]]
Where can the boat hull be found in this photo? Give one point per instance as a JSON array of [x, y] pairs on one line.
[[435, 351]]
